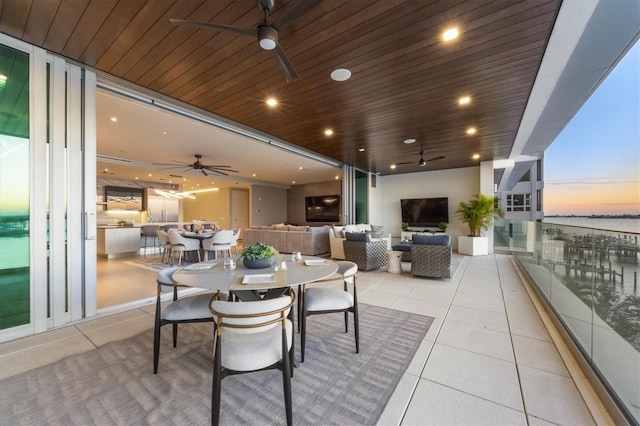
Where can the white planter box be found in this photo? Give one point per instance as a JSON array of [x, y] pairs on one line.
[[473, 246]]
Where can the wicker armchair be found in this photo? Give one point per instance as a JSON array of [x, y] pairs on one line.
[[367, 255], [430, 260]]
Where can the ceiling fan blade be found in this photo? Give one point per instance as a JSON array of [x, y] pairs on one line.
[[216, 170], [213, 26], [215, 166], [402, 164], [203, 172], [436, 158], [175, 164], [293, 12], [289, 73]]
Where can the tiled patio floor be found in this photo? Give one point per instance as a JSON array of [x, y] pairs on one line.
[[487, 359]]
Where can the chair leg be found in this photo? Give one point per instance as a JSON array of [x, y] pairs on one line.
[[286, 377], [175, 334], [356, 327], [303, 332], [346, 322], [156, 338], [215, 388], [300, 294]]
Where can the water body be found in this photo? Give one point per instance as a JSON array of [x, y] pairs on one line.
[[631, 225], [14, 252]]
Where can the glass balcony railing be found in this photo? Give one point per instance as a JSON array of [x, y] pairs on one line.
[[589, 277]]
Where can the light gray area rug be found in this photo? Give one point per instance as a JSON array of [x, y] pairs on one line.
[[114, 384]]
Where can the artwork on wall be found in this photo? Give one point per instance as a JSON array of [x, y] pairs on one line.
[[122, 198]]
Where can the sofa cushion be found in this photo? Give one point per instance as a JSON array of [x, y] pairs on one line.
[[318, 229], [298, 228], [432, 240], [377, 231], [281, 227], [363, 227], [338, 231], [267, 227], [351, 228], [363, 237]]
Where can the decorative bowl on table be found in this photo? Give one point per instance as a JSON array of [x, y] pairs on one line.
[[259, 255]]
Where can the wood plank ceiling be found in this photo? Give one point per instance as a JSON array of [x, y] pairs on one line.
[[405, 80]]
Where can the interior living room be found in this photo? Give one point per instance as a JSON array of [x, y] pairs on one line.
[[357, 108]]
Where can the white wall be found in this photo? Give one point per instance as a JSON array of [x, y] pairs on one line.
[[456, 184]]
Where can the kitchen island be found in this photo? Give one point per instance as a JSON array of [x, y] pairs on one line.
[[118, 241]]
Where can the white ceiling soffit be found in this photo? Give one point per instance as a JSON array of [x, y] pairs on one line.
[[588, 40]]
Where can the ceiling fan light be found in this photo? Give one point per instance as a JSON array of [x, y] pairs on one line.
[[422, 163], [268, 37]]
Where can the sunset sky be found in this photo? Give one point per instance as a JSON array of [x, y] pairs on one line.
[[593, 167]]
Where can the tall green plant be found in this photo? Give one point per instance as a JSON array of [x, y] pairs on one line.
[[478, 213]]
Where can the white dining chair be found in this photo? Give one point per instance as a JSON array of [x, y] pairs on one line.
[[220, 242], [252, 336], [181, 244], [165, 244], [234, 242], [180, 310], [323, 300]]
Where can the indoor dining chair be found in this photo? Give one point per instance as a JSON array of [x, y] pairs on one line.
[[252, 336], [220, 242], [181, 245], [180, 310], [165, 244], [234, 241], [323, 300]]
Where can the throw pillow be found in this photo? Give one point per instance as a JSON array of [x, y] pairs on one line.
[[298, 228], [363, 227], [433, 240], [338, 231], [318, 229], [363, 237], [281, 227], [351, 228], [377, 231]]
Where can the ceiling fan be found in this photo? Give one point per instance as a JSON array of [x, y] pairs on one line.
[[422, 162], [198, 165], [265, 32]]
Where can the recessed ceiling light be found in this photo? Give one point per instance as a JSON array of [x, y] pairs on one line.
[[409, 141], [106, 170], [341, 74], [393, 166], [471, 131], [136, 178], [164, 132], [300, 167], [293, 181], [450, 34], [337, 177], [114, 119], [150, 175], [361, 149], [328, 132], [465, 100], [476, 156], [272, 102], [254, 175]]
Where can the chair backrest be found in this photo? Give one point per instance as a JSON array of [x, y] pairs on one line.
[[165, 278], [174, 237], [162, 236], [222, 237], [236, 237], [347, 269], [149, 230], [252, 316]]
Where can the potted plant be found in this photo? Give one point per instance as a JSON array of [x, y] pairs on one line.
[[478, 214], [442, 226], [259, 255], [405, 226]]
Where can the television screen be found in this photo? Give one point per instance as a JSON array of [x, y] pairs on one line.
[[325, 208], [425, 212]]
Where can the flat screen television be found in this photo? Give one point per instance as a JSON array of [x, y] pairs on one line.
[[425, 212], [324, 208]]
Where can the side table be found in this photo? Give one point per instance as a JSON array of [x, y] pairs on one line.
[[394, 262]]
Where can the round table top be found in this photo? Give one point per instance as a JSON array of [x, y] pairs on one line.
[[212, 275]]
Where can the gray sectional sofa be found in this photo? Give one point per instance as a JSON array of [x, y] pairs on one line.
[[309, 240]]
